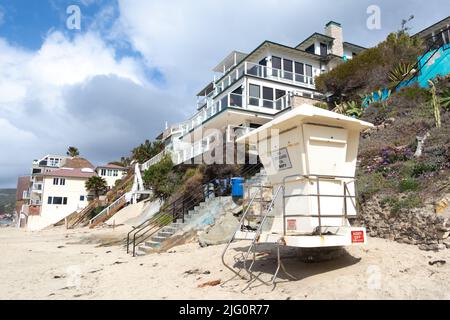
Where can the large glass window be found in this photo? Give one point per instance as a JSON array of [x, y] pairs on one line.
[[236, 98], [254, 94], [323, 49], [299, 72], [287, 69], [267, 97], [308, 70], [279, 103], [276, 65], [224, 102]]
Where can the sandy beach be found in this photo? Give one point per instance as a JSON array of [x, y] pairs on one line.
[[86, 264]]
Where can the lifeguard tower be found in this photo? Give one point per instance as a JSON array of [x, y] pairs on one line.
[[310, 156]]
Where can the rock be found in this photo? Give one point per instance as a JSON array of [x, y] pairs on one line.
[[438, 262], [212, 283]]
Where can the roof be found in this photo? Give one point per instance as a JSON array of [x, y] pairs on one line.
[[228, 61], [112, 166], [310, 40], [77, 162], [207, 89], [23, 183], [303, 112], [438, 25], [71, 173], [355, 46]]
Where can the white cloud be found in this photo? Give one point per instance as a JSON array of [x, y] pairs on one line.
[[74, 92]]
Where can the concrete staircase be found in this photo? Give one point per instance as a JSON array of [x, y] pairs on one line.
[[200, 217]]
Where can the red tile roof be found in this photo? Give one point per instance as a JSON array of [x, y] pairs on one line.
[[71, 173], [112, 166]]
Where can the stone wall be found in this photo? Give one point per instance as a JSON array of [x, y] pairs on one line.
[[299, 100], [420, 226]]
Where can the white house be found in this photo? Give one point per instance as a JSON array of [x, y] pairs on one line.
[[249, 90], [111, 173], [62, 192]]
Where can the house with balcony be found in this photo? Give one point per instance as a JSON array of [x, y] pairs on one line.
[[250, 89], [62, 192], [111, 173]]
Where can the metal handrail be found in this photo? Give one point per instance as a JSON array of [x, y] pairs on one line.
[[187, 203], [317, 178], [430, 47], [258, 234], [241, 223], [107, 209]]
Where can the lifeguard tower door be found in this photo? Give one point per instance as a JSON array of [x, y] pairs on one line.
[[325, 156]]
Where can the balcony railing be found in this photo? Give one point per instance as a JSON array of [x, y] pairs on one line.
[[152, 161], [264, 72], [235, 101]]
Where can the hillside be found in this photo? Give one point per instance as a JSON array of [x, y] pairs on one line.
[[7, 200], [403, 169]]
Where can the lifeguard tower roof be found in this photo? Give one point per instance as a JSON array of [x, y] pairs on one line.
[[307, 113]]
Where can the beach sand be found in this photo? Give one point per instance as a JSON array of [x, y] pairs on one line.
[[87, 264]]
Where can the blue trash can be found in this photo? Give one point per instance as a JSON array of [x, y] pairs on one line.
[[237, 187]]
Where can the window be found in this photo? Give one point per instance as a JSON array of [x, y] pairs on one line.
[[116, 173], [323, 49], [311, 49], [276, 64], [103, 172], [224, 102], [287, 68], [267, 97], [308, 69], [81, 198], [279, 103], [57, 200], [299, 72], [263, 63], [59, 181], [254, 93]]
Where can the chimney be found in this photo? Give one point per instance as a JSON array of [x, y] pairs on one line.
[[334, 29]]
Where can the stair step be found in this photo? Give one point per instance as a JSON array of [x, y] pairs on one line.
[[166, 234], [144, 249], [169, 229], [158, 238], [152, 244]]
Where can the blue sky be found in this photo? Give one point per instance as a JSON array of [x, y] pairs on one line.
[[137, 64]]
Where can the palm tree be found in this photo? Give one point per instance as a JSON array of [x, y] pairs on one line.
[[97, 185], [73, 152]]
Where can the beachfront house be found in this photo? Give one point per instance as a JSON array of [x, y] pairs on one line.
[[249, 90], [111, 173], [63, 193]]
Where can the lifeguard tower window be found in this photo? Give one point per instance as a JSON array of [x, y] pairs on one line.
[[333, 140]]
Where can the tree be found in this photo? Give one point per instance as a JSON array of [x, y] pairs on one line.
[[73, 152], [162, 178], [97, 185], [146, 151]]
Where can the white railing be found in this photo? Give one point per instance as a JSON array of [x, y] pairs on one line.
[[265, 72], [152, 161], [232, 100], [107, 210]]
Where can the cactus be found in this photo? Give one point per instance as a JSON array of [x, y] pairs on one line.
[[435, 104]]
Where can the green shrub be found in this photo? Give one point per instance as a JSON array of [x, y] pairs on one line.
[[395, 204], [370, 184], [408, 184]]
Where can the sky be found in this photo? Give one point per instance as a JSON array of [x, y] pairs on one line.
[[136, 64]]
